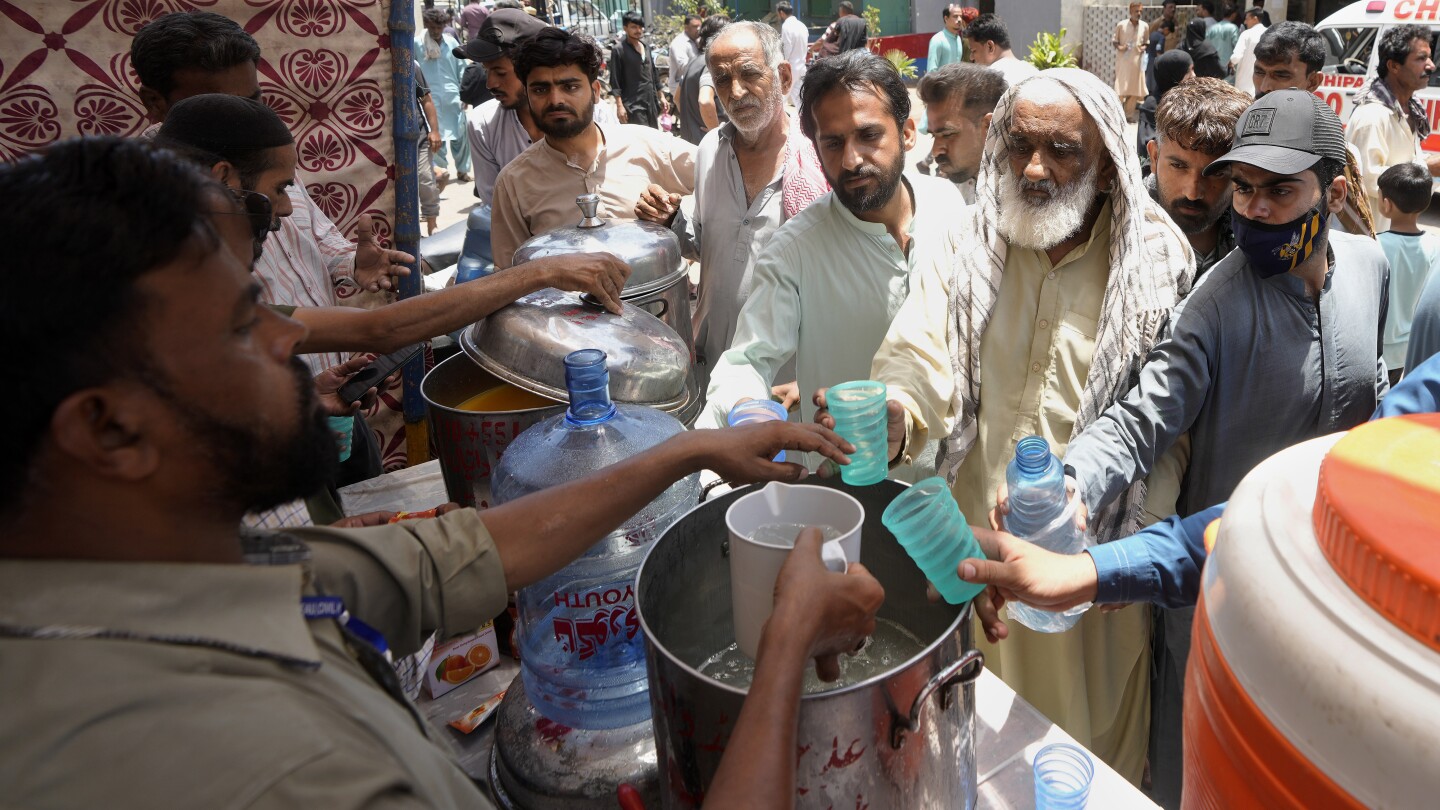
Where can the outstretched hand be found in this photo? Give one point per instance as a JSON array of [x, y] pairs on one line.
[[377, 268], [742, 455], [1018, 571], [599, 274]]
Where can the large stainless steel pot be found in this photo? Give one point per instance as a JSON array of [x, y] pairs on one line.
[[469, 443], [902, 739], [657, 275]]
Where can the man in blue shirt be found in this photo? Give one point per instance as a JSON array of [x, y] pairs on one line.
[[1159, 564]]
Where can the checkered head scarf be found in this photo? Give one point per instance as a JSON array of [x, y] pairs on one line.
[[1151, 269]]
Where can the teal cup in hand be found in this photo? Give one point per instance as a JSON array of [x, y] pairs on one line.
[[927, 522], [858, 408]]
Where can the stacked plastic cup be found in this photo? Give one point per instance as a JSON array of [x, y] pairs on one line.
[[928, 523], [758, 410], [859, 411], [1062, 777]]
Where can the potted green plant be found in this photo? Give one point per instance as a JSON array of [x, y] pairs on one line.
[[1050, 51], [903, 63]]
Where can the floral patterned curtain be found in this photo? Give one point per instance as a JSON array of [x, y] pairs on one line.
[[325, 68]]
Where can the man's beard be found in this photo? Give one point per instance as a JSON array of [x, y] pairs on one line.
[[887, 180], [953, 173], [255, 468], [754, 115], [575, 126], [1192, 220], [1041, 226]]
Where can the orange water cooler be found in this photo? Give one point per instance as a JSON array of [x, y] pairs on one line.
[[1314, 672]]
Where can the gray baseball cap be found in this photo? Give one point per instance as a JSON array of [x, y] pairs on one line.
[[1285, 132]]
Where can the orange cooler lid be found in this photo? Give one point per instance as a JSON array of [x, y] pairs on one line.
[[1377, 519]]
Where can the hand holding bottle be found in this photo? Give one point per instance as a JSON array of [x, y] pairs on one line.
[[1016, 571], [1002, 506]]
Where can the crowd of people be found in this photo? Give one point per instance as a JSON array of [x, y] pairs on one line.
[[1218, 42], [1164, 330]]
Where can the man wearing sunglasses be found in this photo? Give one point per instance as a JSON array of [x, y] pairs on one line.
[[243, 144], [186, 54]]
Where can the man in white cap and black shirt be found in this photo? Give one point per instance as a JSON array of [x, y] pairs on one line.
[[1277, 344], [501, 128]]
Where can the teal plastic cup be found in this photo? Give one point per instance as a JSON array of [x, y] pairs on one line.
[[858, 408], [928, 523]]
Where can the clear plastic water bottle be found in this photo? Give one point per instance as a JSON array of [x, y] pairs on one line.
[[1036, 480], [1041, 514], [582, 655]]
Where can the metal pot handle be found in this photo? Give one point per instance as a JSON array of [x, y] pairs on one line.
[[664, 307], [953, 675], [590, 300], [710, 487]]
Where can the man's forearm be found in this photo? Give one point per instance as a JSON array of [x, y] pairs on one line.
[[542, 532], [1124, 444], [758, 769], [431, 115], [707, 103], [387, 329], [1160, 564]]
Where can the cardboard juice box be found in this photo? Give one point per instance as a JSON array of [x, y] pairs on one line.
[[461, 659]]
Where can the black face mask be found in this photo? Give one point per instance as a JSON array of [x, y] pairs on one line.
[[1275, 249]]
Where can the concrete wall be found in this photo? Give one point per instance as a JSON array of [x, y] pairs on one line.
[[925, 15], [1026, 18]]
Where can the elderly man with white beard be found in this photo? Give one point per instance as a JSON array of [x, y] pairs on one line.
[[1064, 277], [752, 174]]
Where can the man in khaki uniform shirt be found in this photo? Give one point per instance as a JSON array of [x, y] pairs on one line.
[[536, 191], [152, 656], [1066, 282]]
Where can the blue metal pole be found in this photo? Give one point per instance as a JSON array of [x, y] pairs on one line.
[[407, 205]]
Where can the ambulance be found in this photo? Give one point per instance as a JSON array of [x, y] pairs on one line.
[[1353, 36]]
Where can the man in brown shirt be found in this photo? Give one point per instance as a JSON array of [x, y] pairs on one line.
[[536, 192], [153, 656]]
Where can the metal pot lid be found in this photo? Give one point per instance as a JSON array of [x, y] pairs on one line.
[[652, 251], [526, 343]]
